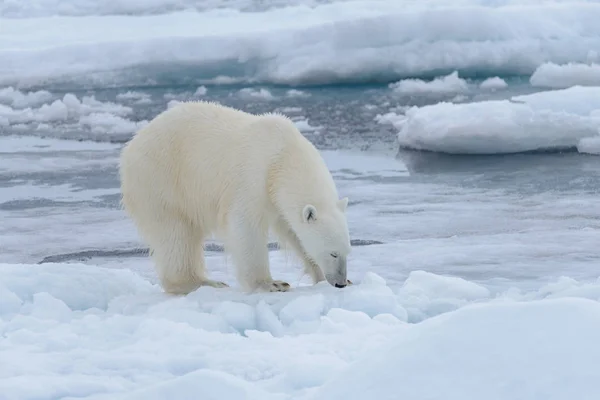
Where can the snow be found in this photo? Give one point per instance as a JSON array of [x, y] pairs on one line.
[[346, 41], [551, 75], [104, 333], [539, 121], [42, 110], [448, 84], [589, 145], [537, 350], [493, 84]]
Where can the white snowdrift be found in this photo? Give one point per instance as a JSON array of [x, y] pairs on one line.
[[544, 350], [344, 41], [81, 331], [540, 121], [556, 76]]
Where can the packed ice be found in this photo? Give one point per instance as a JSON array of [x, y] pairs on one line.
[[343, 41], [541, 121], [449, 84], [43, 110], [550, 75]]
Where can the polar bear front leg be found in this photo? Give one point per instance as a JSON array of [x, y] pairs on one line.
[[247, 244]]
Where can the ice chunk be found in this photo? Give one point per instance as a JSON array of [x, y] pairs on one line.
[[551, 75], [540, 121], [304, 308], [18, 99], [425, 295], [493, 84], [89, 113], [287, 42], [449, 84]]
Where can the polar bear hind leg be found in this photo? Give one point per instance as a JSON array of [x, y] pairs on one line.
[[176, 247]]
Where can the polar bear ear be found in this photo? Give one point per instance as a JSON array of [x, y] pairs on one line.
[[309, 213], [342, 204]]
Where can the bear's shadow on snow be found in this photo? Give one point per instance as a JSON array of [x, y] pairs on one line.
[[140, 252]]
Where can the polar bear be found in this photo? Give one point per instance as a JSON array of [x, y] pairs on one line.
[[202, 169]]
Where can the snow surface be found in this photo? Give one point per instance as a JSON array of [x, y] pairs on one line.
[[542, 350], [540, 121], [82, 331], [494, 83], [339, 42], [550, 75], [449, 84], [44, 111]]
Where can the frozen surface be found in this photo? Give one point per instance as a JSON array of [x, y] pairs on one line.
[[449, 84], [83, 331], [350, 41], [494, 83], [550, 75], [542, 350], [44, 112], [540, 121], [467, 276]]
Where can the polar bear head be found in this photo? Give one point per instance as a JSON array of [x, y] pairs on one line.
[[325, 239]]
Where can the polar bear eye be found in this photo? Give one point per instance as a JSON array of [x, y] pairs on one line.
[[334, 255]]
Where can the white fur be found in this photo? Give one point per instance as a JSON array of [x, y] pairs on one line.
[[201, 168]]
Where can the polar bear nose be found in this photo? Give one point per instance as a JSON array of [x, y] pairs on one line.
[[340, 285]]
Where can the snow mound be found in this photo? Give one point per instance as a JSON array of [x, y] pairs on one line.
[[425, 295], [551, 75], [81, 331], [345, 41], [42, 111], [540, 121], [494, 83], [108, 333], [537, 350], [449, 84]]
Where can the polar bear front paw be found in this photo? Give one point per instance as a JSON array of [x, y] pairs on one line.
[[274, 286]]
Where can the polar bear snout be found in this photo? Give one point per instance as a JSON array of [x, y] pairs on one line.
[[337, 275]]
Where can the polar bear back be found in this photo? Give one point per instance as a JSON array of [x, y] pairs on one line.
[[201, 159]]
